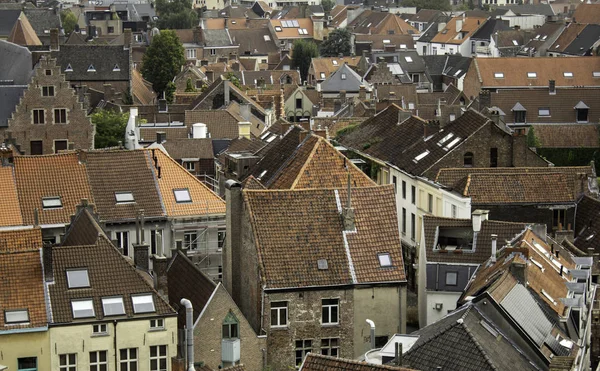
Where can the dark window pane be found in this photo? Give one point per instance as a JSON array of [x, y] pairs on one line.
[[103, 356], [334, 314], [163, 350], [133, 353], [63, 359], [163, 364], [234, 331], [103, 367], [153, 364], [72, 358], [123, 353], [153, 351]]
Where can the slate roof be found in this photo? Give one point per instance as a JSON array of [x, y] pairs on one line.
[[541, 35], [335, 82], [123, 171], [448, 34], [462, 341], [8, 17], [529, 9], [577, 39], [23, 34], [253, 41], [103, 58], [9, 202], [379, 42], [490, 27], [189, 148], [182, 276], [216, 38], [587, 13], [504, 189], [43, 20], [16, 64], [425, 16], [547, 68], [110, 275], [220, 124], [46, 176], [483, 241], [22, 287], [317, 362], [587, 224], [310, 228]]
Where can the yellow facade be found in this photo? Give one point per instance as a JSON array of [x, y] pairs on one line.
[[25, 345], [81, 340]]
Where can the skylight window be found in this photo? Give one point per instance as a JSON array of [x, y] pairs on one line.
[[69, 68], [77, 278], [294, 23], [385, 260], [335, 63], [113, 306], [91, 68], [537, 37], [445, 139], [16, 316], [83, 308], [532, 75], [143, 303], [124, 197], [548, 297], [402, 46], [457, 73], [261, 174], [343, 76], [386, 41], [498, 75], [544, 112], [182, 195], [421, 156], [596, 73], [545, 37], [408, 59], [322, 75], [51, 202], [322, 264], [116, 68], [452, 144], [568, 74], [515, 42], [267, 37], [271, 138], [278, 29]]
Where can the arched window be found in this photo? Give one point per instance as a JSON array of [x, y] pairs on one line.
[[468, 159], [231, 327]]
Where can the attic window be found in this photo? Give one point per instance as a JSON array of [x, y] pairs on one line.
[[421, 156], [51, 202], [182, 195], [83, 308], [69, 68], [408, 59], [545, 37], [537, 37], [568, 74], [322, 264], [16, 316], [386, 41], [548, 296], [402, 46], [544, 112], [143, 303], [343, 76], [335, 63], [124, 197], [515, 43], [277, 28], [322, 75], [385, 260], [116, 68], [113, 306], [271, 138], [457, 73], [531, 75], [596, 73], [77, 278], [452, 144], [267, 37], [445, 139], [498, 75], [91, 68]]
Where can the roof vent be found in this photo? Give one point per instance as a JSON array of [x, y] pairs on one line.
[[322, 264]]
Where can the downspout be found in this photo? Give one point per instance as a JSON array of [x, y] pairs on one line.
[[189, 323], [115, 342], [372, 324]]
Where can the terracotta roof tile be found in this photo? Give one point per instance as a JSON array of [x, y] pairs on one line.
[[328, 65], [148, 134], [20, 240], [110, 275], [174, 176], [190, 148], [567, 136], [59, 175], [449, 34], [587, 13], [22, 287], [317, 362], [9, 202], [220, 124], [292, 32], [309, 228]]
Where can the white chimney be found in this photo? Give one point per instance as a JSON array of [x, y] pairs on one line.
[[199, 131], [494, 247], [131, 131], [459, 25], [244, 129], [478, 217]]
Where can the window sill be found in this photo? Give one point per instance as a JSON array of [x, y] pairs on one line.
[[99, 335], [337, 324], [279, 328], [158, 329]]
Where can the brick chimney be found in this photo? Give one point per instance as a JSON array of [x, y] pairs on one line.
[[54, 39], [233, 240], [198, 35], [141, 257], [127, 38], [47, 260], [159, 268], [478, 217]]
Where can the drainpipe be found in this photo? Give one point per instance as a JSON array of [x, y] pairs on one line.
[[189, 311], [372, 324]]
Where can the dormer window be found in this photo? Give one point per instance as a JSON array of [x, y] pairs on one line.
[[83, 308], [582, 112], [69, 68], [12, 317], [78, 278], [520, 113], [182, 195], [113, 306], [51, 203], [116, 68], [91, 68], [143, 303], [124, 197], [385, 260]]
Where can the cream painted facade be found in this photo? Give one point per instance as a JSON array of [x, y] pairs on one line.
[[386, 306], [81, 340], [24, 344], [298, 105]]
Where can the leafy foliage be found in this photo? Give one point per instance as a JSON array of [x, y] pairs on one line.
[[428, 4], [532, 139], [337, 43], [110, 128], [163, 60], [189, 86], [69, 21], [170, 92], [176, 14], [328, 5], [302, 53]]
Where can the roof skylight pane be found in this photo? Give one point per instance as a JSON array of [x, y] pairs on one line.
[[142, 303], [532, 75], [124, 197], [182, 195], [515, 43], [113, 306], [16, 316], [421, 156], [335, 63], [83, 308], [596, 73], [408, 59], [322, 264], [568, 74], [445, 139], [544, 112], [385, 260], [498, 75], [295, 23], [51, 202], [457, 73], [77, 278], [278, 28], [452, 144]]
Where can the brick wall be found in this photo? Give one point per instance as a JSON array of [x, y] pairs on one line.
[[471, 84], [78, 129]]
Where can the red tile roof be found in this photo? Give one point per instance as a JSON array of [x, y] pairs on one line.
[[317, 362], [20, 240], [9, 202]]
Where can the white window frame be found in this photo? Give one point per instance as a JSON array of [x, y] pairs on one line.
[[190, 240], [113, 301], [180, 195], [67, 365], [140, 300], [21, 314], [121, 243], [327, 306], [84, 304], [190, 165], [190, 53], [71, 272], [124, 197], [385, 259], [281, 314], [100, 329], [54, 202], [158, 357], [307, 347], [157, 324]]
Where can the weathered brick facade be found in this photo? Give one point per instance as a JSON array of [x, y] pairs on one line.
[[64, 125]]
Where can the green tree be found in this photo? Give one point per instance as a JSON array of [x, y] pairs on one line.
[[233, 78], [328, 5], [110, 128], [302, 54], [337, 43], [428, 4], [163, 60], [170, 92], [189, 86], [69, 21], [532, 139], [176, 14]]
